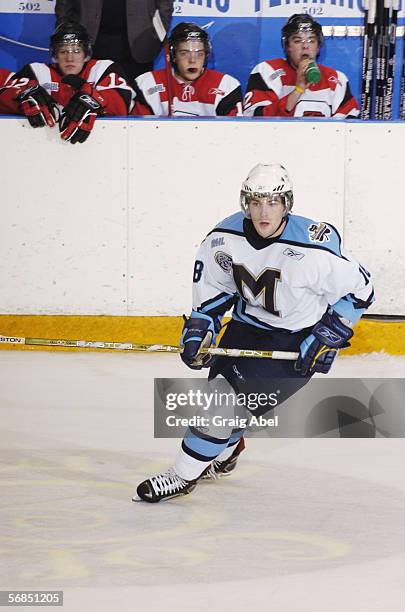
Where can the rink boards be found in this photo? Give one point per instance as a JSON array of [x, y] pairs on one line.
[[110, 229]]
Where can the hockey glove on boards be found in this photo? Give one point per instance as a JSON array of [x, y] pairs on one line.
[[319, 349], [80, 113], [38, 106], [198, 332]]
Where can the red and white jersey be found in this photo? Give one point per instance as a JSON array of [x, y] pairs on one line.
[[5, 105], [271, 82], [212, 94], [103, 75]]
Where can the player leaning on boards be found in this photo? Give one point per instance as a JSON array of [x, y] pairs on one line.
[[188, 88], [73, 90], [296, 86], [291, 288]]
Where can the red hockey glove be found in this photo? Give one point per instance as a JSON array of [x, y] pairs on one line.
[[39, 108], [80, 113]]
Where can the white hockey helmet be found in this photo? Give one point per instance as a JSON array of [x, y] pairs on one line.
[[264, 181]]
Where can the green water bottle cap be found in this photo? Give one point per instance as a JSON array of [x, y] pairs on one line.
[[313, 74]]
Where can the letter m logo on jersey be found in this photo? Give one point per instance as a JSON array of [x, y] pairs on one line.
[[263, 285]]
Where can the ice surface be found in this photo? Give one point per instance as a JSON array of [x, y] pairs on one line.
[[302, 525]]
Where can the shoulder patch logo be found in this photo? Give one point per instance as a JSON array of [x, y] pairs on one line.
[[294, 254], [319, 232], [52, 86], [160, 88], [224, 261], [277, 73], [216, 242]]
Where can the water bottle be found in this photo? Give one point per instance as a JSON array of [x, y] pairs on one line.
[[313, 74]]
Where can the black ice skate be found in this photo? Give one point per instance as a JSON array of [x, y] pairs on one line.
[[218, 469], [163, 486]]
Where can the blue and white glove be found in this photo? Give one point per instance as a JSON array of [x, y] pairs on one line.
[[198, 332], [319, 349]]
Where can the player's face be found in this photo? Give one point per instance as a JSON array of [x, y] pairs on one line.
[[190, 58], [302, 46], [266, 215], [70, 59]]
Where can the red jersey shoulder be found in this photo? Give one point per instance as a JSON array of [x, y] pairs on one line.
[[211, 83], [87, 68], [281, 69], [155, 81], [329, 76], [160, 76], [4, 76], [277, 63]]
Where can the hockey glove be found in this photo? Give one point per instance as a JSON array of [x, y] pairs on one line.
[[319, 349], [80, 113], [198, 332], [39, 108]]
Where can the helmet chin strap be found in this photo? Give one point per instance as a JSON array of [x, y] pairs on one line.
[[278, 227], [281, 222]]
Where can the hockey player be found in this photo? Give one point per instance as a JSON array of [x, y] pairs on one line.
[[193, 89], [291, 288], [283, 87], [73, 90]]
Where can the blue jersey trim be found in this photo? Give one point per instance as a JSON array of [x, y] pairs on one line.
[[346, 309], [297, 232], [234, 223], [213, 303]]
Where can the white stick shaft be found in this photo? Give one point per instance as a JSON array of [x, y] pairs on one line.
[[146, 348]]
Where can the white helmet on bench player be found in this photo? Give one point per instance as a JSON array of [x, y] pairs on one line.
[[264, 181]]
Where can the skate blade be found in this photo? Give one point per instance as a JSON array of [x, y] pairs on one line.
[[217, 477]]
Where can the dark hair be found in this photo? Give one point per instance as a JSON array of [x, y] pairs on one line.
[[301, 22]]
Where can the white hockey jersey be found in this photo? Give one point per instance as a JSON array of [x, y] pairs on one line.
[[286, 283]]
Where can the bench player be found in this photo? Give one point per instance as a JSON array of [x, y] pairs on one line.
[[193, 89], [73, 90], [295, 87]]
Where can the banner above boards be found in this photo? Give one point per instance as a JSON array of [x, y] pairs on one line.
[[22, 6], [226, 8], [269, 8]]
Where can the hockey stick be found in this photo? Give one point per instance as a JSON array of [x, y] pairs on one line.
[[168, 69], [146, 348], [368, 59], [391, 60], [402, 95], [383, 17]]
